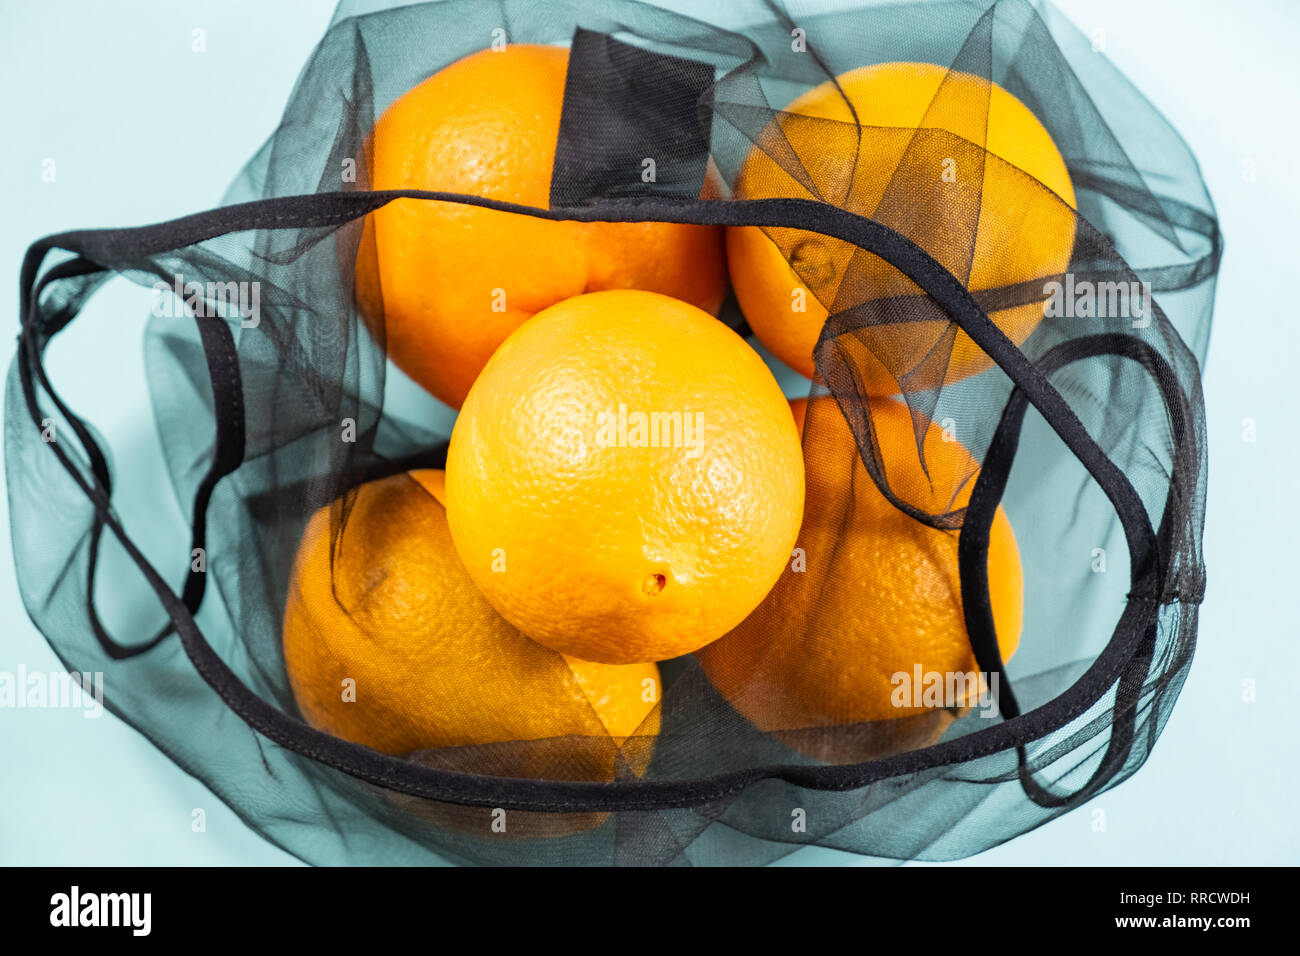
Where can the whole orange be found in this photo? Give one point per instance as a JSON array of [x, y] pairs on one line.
[[624, 482], [877, 595], [443, 284], [388, 643], [955, 162]]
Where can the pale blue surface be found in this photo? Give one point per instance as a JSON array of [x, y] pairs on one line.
[[141, 129]]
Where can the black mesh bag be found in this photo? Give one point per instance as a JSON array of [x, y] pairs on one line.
[[1053, 322]]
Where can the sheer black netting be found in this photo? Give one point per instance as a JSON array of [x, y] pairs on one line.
[[1046, 310]]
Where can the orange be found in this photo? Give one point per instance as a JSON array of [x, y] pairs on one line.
[[624, 482], [443, 284], [916, 163], [388, 611], [878, 595]]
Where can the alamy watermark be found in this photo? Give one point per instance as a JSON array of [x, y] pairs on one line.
[[624, 429], [1085, 299], [209, 300], [80, 690], [131, 911], [936, 689]]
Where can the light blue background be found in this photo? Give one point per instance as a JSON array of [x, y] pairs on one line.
[[143, 129]]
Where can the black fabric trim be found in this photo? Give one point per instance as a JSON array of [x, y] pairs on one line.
[[624, 104], [114, 248], [228, 451]]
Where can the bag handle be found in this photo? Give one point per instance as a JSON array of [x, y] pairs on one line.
[[228, 453], [116, 248]]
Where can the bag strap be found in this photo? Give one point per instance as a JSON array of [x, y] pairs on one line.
[[117, 248], [973, 549]]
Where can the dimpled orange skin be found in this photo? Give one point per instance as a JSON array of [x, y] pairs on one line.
[[879, 595], [1024, 231], [434, 666], [606, 551], [445, 283]]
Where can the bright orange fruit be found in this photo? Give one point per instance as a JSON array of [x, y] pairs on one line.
[[624, 482], [443, 284], [878, 596], [994, 219], [390, 608]]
